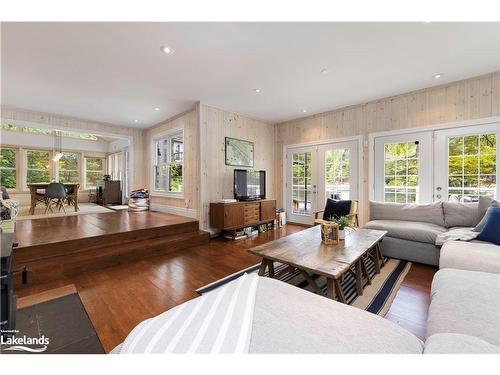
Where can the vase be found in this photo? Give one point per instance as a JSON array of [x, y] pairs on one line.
[[341, 234]]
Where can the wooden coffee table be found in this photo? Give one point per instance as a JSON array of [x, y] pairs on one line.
[[304, 251]]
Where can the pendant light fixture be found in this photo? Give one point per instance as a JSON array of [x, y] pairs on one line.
[[57, 146]]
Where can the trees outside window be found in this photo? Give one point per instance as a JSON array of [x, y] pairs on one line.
[[472, 166], [37, 166], [69, 168], [168, 164], [401, 172], [94, 171], [8, 164]]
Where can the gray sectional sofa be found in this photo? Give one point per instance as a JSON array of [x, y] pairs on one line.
[[464, 313], [413, 229]]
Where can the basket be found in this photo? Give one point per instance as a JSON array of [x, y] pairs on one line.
[[329, 232]]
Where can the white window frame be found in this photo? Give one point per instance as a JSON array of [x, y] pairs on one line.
[[159, 137], [85, 187]]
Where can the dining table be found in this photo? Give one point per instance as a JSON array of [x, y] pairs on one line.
[[37, 192]]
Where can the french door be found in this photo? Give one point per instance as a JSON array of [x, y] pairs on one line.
[[315, 173], [458, 163], [466, 163]]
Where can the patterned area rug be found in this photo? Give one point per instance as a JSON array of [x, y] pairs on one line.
[[376, 298]]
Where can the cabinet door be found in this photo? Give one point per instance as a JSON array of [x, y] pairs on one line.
[[267, 210], [233, 215]]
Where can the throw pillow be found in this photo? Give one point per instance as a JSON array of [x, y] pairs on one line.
[[484, 217], [482, 207], [490, 232], [336, 209]]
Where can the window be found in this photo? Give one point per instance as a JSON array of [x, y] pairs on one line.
[[94, 171], [301, 183], [50, 132], [69, 168], [8, 168], [337, 174], [115, 166], [37, 166], [472, 166], [401, 172], [168, 165]]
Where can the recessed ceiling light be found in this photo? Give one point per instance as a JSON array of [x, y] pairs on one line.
[[136, 121], [324, 71], [438, 75], [167, 50], [157, 109], [256, 90], [304, 110]]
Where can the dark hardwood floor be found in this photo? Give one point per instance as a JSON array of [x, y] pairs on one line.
[[119, 297]]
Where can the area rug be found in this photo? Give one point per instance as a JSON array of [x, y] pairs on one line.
[[85, 208], [376, 298], [63, 321]]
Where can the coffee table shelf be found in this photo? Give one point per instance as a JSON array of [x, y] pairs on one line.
[[304, 251]]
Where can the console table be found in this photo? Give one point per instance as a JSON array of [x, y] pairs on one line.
[[238, 215]]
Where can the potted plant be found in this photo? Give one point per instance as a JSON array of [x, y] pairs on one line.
[[342, 222]]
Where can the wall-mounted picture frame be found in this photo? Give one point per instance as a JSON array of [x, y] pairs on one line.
[[239, 153]]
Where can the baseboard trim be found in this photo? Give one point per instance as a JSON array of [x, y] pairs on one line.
[[187, 212]]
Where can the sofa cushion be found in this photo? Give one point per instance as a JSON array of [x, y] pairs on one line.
[[408, 230], [465, 302], [288, 319], [471, 256], [336, 208], [454, 343], [483, 205], [429, 213], [457, 214], [491, 230]]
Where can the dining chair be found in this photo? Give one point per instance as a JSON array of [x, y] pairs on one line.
[[55, 194]]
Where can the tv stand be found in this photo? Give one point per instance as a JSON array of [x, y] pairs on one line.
[[238, 215]]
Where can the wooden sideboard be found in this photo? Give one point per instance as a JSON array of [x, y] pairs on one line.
[[237, 215]]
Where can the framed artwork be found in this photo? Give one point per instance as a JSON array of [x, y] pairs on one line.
[[239, 152]]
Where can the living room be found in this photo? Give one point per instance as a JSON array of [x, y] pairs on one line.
[[244, 187]]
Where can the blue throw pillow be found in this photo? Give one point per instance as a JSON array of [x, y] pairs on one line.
[[491, 230]]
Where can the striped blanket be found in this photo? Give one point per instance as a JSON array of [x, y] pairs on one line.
[[217, 322]]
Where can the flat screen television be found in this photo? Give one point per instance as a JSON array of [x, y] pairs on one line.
[[249, 184]]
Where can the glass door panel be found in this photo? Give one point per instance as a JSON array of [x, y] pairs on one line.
[[403, 168], [301, 184], [337, 174]]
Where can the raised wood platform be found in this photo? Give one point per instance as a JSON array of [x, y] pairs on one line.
[[57, 247]]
